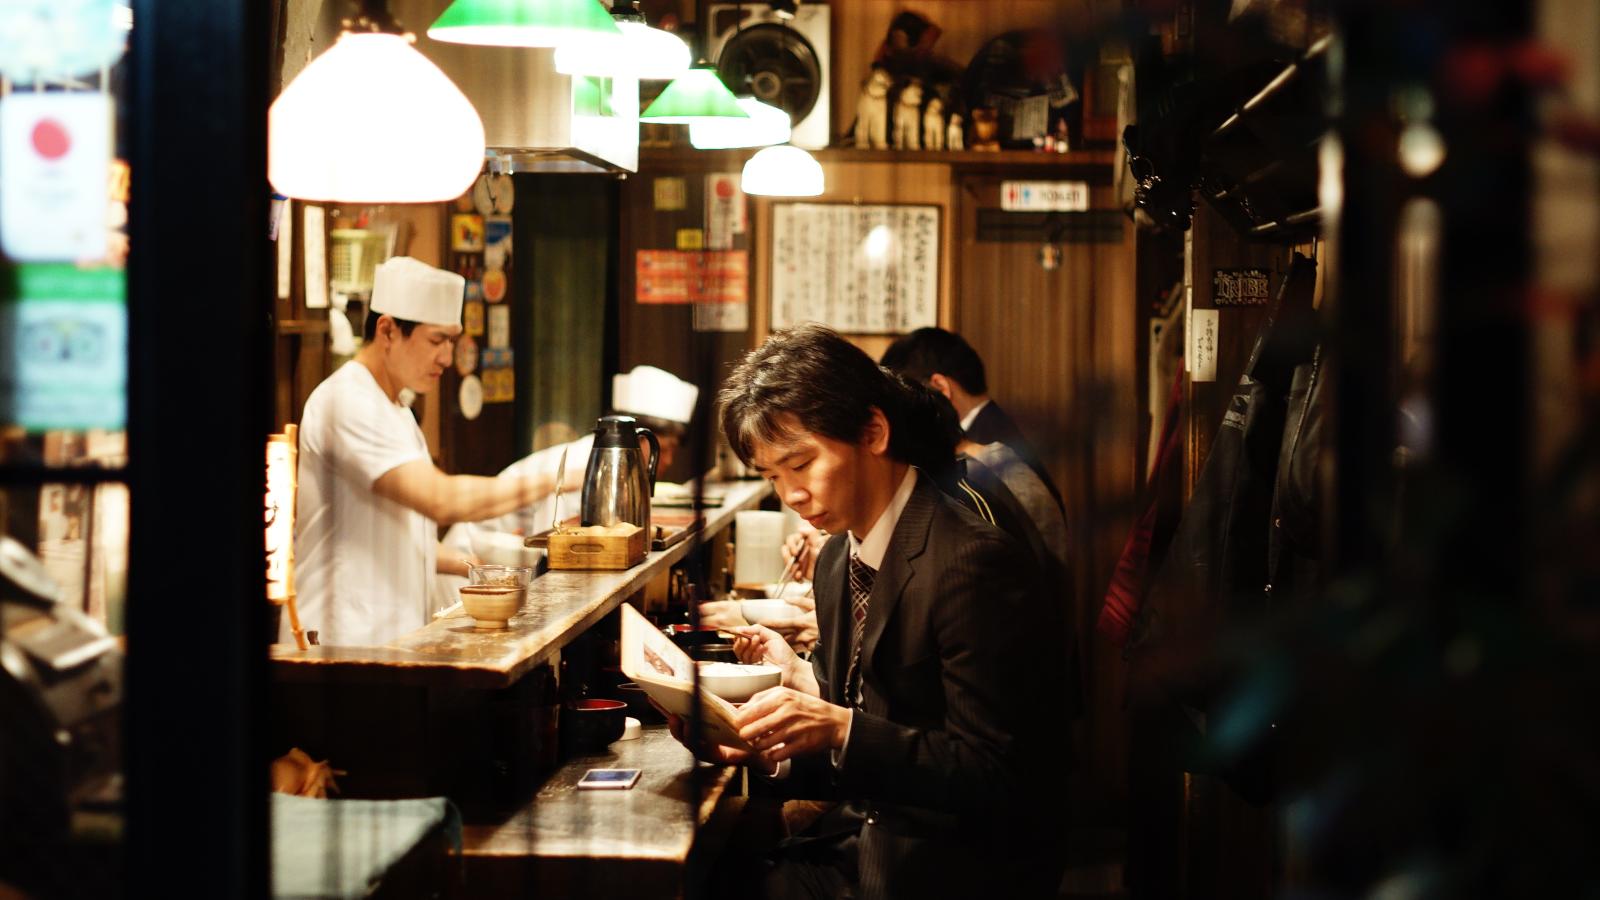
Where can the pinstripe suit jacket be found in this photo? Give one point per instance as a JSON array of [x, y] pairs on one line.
[[948, 761]]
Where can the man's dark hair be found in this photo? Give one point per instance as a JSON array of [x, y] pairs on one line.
[[929, 351], [813, 374], [925, 430], [370, 329]]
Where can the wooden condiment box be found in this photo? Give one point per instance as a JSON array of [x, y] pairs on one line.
[[621, 546]]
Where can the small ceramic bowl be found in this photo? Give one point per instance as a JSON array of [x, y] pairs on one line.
[[639, 705], [737, 683], [764, 612], [491, 606], [589, 725]]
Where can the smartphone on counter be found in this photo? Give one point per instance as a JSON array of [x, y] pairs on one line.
[[608, 779]]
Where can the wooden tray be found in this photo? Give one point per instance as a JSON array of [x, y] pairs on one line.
[[597, 547]]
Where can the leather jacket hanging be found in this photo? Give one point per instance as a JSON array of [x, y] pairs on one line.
[[1216, 573]]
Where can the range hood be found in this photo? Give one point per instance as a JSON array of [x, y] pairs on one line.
[[534, 118]]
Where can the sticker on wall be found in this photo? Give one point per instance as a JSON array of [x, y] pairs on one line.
[[494, 285], [691, 239], [497, 241], [472, 318], [498, 374], [671, 194], [499, 327], [466, 355], [466, 233], [470, 397], [1240, 287], [64, 339], [725, 210]]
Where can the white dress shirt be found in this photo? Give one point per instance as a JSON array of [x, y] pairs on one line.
[[972, 415]]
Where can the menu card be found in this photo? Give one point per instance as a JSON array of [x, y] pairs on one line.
[[666, 673]]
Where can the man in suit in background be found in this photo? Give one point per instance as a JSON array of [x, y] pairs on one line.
[[922, 708], [947, 363]]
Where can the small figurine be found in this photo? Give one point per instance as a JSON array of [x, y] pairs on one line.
[[933, 125], [985, 127], [954, 138], [872, 111], [908, 117]]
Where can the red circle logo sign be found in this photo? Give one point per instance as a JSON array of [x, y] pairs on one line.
[[51, 139], [725, 189]]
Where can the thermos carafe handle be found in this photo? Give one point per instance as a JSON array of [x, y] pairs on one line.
[[655, 456]]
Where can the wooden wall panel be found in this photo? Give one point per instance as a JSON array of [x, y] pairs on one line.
[[1061, 352]]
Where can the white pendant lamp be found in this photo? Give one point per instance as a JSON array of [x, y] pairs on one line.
[[782, 171], [373, 121], [766, 126], [642, 52]]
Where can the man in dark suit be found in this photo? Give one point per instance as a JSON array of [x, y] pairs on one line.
[[946, 362], [927, 708]]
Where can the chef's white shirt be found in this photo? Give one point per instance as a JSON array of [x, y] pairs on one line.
[[363, 563], [530, 520]]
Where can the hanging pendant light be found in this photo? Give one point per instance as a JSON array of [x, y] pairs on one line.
[[782, 171], [522, 23], [696, 95], [766, 126], [373, 121], [642, 52]]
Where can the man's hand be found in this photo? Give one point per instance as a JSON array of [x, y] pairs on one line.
[[804, 545], [801, 631], [782, 723], [758, 643], [713, 753], [723, 614], [455, 562]]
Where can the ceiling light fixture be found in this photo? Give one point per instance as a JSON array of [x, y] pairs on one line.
[[642, 52], [766, 126], [782, 171], [522, 23], [694, 96], [373, 121]]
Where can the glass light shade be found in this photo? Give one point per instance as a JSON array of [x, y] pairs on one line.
[[521, 23], [645, 53], [766, 126], [782, 171], [373, 121], [695, 95]]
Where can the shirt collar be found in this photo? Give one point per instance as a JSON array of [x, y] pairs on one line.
[[872, 548], [972, 415]]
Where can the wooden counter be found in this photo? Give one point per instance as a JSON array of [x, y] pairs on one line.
[[450, 652], [570, 842]]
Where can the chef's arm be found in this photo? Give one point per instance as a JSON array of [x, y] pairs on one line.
[[448, 499], [451, 561]]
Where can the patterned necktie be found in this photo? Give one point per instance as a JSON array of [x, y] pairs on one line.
[[861, 576]]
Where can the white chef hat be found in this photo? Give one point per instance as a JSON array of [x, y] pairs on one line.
[[409, 289], [653, 392]]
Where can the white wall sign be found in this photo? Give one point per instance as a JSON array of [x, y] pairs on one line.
[[1203, 345], [858, 269], [316, 258], [55, 157], [1044, 196]]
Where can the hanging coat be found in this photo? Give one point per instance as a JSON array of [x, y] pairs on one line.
[[1216, 572]]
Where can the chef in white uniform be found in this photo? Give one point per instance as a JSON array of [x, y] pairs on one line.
[[370, 498], [660, 401]]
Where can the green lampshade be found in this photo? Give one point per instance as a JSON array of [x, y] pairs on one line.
[[522, 23], [694, 96]]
